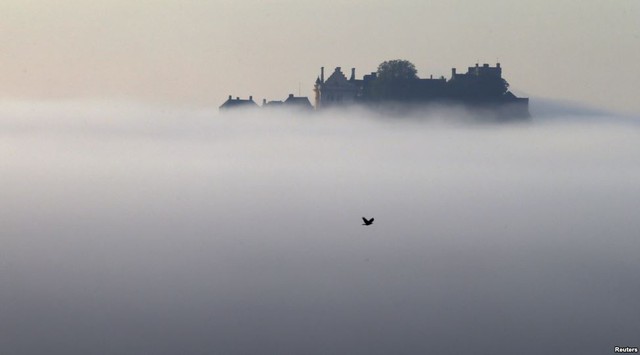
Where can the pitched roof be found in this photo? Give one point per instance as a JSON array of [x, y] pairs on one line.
[[338, 79], [238, 103], [298, 101]]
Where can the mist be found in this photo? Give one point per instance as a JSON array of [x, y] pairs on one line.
[[129, 229]]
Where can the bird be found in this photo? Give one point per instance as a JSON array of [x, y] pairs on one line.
[[367, 222]]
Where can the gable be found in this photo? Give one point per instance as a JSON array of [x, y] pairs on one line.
[[338, 80]]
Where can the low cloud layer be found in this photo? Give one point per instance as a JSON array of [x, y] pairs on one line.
[[135, 231]]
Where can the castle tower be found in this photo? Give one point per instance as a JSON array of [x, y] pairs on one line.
[[317, 89], [335, 91]]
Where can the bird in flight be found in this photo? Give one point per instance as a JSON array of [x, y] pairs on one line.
[[367, 222]]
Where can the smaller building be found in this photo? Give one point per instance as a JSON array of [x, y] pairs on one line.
[[292, 102], [238, 103], [271, 104], [298, 103]]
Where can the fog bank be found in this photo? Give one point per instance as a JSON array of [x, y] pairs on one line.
[[130, 230]]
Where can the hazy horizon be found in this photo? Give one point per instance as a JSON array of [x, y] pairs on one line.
[[197, 53]]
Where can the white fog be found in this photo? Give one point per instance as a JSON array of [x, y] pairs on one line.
[[132, 230]]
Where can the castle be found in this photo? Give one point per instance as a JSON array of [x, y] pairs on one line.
[[481, 88]]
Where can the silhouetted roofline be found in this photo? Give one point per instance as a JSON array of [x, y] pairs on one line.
[[238, 102]]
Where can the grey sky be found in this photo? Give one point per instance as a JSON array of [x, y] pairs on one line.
[[197, 53]]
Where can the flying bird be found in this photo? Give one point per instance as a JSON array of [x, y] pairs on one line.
[[367, 222]]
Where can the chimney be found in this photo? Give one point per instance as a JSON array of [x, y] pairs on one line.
[[497, 65], [291, 96], [322, 74], [250, 98], [353, 74], [264, 102], [237, 97], [338, 69], [229, 97], [453, 72]]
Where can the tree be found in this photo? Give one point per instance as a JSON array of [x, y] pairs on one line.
[[397, 70], [395, 79]]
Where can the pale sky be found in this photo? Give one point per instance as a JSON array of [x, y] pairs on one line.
[[195, 53]]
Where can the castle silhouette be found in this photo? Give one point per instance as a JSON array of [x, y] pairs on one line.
[[481, 89]]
